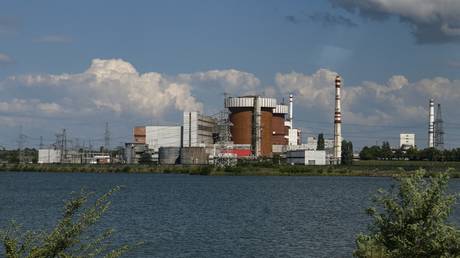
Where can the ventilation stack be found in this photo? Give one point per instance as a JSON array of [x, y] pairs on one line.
[[337, 123], [431, 125]]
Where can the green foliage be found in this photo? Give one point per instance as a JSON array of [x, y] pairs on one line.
[[347, 152], [412, 221], [71, 236], [320, 143]]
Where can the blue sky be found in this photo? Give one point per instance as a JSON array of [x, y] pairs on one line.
[[269, 46]]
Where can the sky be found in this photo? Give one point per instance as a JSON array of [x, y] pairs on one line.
[[79, 64]]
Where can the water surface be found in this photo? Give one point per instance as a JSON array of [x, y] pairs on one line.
[[202, 216]]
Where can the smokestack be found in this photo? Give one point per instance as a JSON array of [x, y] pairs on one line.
[[337, 122], [431, 125], [291, 100]]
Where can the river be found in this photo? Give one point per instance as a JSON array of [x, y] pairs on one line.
[[205, 216]]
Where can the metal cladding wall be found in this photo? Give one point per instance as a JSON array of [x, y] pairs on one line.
[[267, 131], [169, 155], [241, 130], [280, 130], [193, 156]]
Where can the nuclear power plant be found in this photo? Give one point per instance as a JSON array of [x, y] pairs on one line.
[[250, 127]]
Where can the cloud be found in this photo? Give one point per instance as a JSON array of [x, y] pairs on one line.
[[53, 39], [432, 21], [325, 19], [397, 101], [114, 89], [114, 85], [5, 59]]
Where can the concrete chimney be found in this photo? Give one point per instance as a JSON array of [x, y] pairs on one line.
[[338, 122], [431, 125]]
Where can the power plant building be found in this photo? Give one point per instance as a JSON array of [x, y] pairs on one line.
[[407, 140], [163, 136], [280, 131], [198, 130], [139, 134], [251, 118], [306, 157], [49, 156]]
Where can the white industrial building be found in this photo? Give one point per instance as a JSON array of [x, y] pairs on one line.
[[163, 136], [407, 140], [48, 156], [198, 130], [306, 157]]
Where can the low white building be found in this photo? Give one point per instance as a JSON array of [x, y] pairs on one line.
[[47, 156], [306, 157], [407, 140]]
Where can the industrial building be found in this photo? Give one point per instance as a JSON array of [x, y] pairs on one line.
[[139, 134], [134, 152], [306, 157], [407, 140], [198, 130], [49, 156], [280, 130], [261, 123], [163, 136], [251, 118]]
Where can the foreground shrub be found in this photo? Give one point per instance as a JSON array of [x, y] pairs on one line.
[[71, 237], [412, 221]]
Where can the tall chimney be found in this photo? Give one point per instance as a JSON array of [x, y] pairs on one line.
[[431, 125], [291, 98], [337, 122]]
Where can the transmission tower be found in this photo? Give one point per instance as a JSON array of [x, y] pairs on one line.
[[107, 137], [21, 142], [61, 144], [438, 130]]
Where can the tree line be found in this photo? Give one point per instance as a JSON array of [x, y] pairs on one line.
[[385, 152]]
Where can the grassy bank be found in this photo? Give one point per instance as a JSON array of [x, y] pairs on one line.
[[360, 168]]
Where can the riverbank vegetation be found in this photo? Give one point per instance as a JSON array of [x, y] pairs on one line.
[[411, 221], [255, 168], [72, 236]]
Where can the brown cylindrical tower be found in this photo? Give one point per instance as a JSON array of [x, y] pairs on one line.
[[241, 119], [266, 132], [251, 118]]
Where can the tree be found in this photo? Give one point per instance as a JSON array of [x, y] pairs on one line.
[[347, 152], [70, 236], [412, 221], [320, 143], [386, 151]]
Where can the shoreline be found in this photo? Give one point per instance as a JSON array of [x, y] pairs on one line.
[[360, 168]]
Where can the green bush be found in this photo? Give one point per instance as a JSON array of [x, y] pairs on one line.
[[69, 237], [412, 221]]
